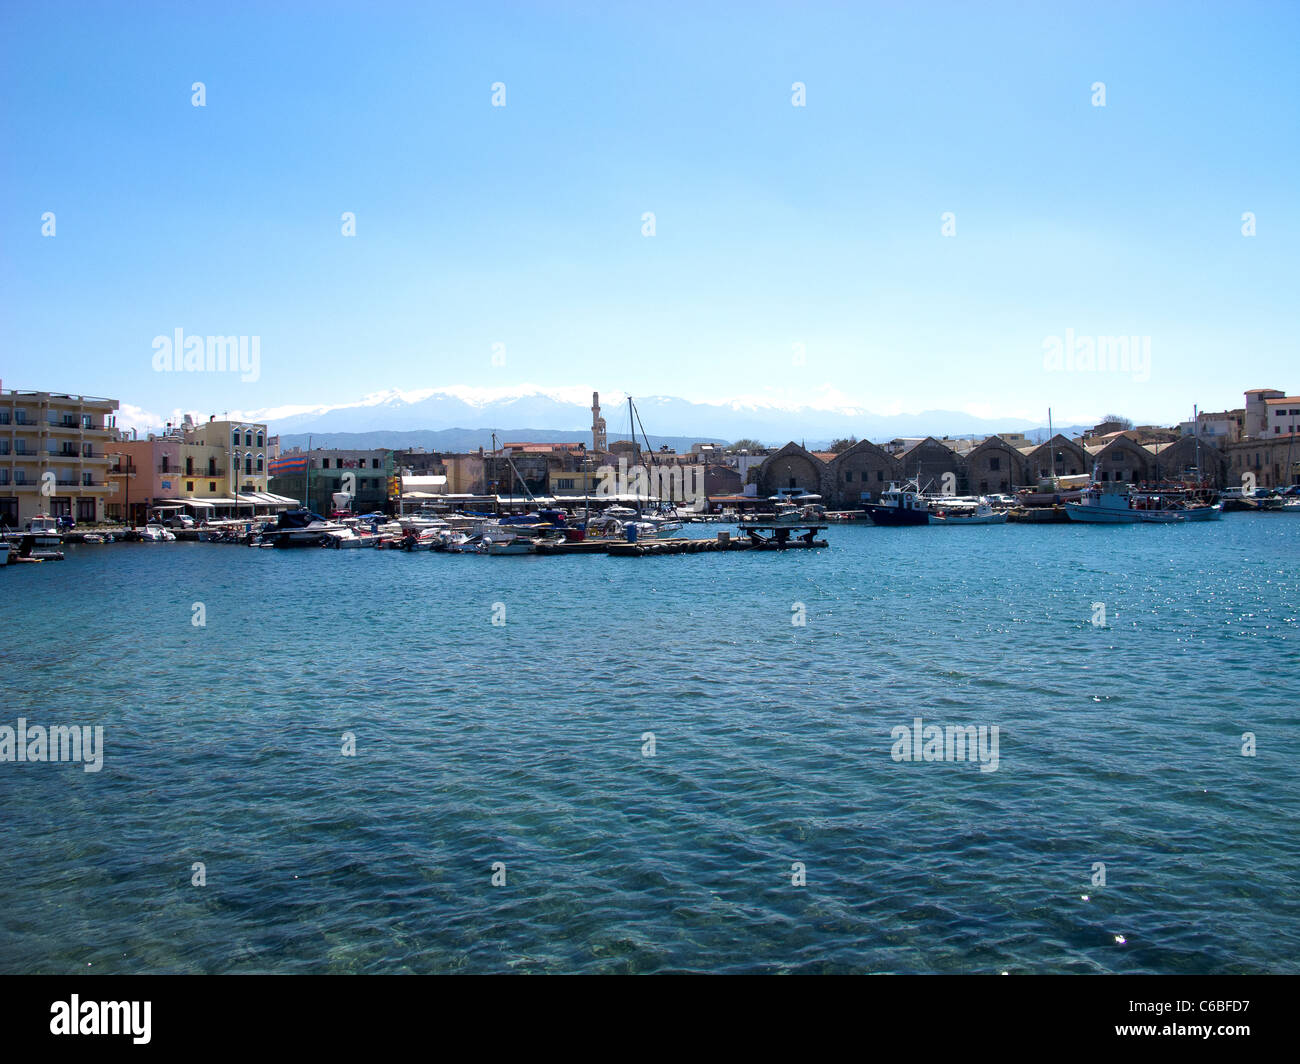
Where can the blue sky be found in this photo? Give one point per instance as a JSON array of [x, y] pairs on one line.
[[775, 225]]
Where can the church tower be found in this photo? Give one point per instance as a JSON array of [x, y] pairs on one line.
[[598, 443]]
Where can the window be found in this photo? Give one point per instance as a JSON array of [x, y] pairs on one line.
[[4, 476], [324, 463], [212, 487], [87, 450], [848, 476], [87, 480], [87, 422], [880, 475], [85, 509], [248, 465], [189, 485], [374, 462], [4, 417], [248, 439], [259, 440], [20, 417], [20, 477], [4, 446], [234, 438]]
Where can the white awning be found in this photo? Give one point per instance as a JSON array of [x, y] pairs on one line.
[[280, 500], [222, 502], [203, 504], [167, 506]]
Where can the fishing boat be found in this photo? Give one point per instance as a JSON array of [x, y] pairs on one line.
[[899, 506], [1098, 507]]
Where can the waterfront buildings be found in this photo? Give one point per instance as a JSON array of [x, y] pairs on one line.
[[212, 469], [315, 476], [55, 456]]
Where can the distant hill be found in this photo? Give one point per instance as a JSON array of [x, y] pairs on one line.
[[461, 440]]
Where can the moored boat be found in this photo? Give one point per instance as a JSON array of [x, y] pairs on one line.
[[1098, 507], [899, 506]]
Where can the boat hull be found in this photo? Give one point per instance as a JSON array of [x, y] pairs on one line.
[[896, 517], [976, 519], [1096, 515]]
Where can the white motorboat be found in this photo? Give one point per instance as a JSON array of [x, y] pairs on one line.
[[348, 538], [488, 545], [155, 533], [982, 513], [299, 528]]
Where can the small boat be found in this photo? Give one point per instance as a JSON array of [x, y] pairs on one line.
[[981, 514], [4, 552], [349, 538], [1098, 507], [94, 537], [154, 533], [517, 545]]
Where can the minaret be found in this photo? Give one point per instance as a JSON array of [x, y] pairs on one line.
[[598, 443]]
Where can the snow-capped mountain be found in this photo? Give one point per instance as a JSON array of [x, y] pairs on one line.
[[569, 410]]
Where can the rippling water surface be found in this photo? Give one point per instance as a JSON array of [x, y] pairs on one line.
[[523, 743]]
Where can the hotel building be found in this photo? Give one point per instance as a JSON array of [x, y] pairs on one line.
[[55, 456]]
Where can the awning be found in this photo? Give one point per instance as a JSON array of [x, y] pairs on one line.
[[167, 506], [279, 500], [200, 504], [222, 502]]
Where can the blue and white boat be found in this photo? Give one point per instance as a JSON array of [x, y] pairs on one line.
[[1097, 507]]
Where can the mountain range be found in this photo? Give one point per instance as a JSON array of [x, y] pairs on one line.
[[458, 418]]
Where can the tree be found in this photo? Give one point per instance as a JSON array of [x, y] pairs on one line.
[[840, 446], [746, 445], [1116, 419]]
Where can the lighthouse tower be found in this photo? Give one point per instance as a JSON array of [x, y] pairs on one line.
[[598, 443]]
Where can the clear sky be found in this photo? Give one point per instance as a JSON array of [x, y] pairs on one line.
[[775, 225]]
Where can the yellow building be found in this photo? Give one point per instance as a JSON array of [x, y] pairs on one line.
[[54, 456], [212, 469]]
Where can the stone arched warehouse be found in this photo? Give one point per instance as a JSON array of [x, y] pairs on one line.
[[995, 465]]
